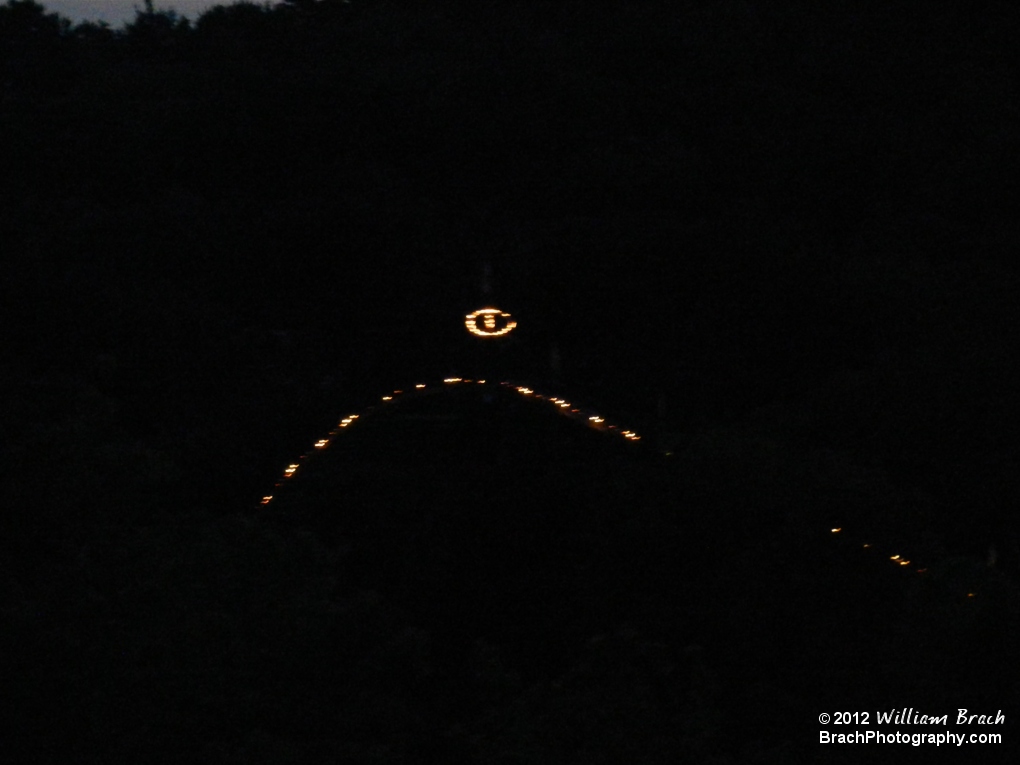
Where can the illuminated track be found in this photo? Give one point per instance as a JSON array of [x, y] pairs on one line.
[[561, 406]]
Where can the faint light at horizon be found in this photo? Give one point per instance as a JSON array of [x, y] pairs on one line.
[[117, 13]]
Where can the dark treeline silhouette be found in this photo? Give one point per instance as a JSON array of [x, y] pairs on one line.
[[776, 237]]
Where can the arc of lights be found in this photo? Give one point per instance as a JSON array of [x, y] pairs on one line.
[[564, 407], [488, 317]]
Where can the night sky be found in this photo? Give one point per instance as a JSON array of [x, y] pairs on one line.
[[777, 241], [118, 12]]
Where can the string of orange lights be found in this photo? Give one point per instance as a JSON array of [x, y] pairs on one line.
[[560, 406]]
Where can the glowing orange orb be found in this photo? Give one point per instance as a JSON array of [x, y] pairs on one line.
[[489, 322]]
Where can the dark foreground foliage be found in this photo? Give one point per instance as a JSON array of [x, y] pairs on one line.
[[481, 581]]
